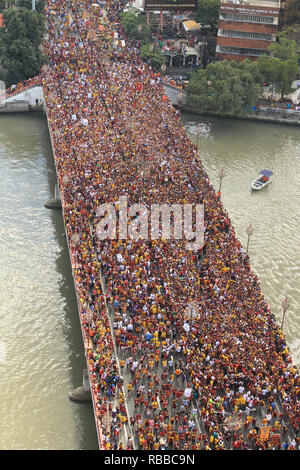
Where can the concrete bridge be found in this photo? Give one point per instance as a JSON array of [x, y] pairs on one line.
[[126, 394], [177, 96], [29, 99], [32, 99]]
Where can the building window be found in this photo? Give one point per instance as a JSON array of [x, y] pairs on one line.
[[241, 51], [245, 34], [247, 18]]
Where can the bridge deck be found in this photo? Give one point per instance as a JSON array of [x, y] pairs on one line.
[[163, 374], [155, 386]]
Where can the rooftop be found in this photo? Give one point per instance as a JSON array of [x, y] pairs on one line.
[[258, 3]]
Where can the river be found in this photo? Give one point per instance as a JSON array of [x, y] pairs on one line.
[[243, 149], [41, 348]]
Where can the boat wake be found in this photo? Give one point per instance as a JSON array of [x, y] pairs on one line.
[[194, 128]]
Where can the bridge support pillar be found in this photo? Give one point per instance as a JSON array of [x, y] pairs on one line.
[[82, 393], [54, 202]]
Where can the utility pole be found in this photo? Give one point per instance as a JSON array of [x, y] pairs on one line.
[[33, 5]]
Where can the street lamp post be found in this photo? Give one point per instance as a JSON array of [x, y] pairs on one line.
[[249, 232], [285, 305]]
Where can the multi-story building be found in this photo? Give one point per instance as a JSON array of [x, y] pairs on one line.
[[168, 7], [246, 28]]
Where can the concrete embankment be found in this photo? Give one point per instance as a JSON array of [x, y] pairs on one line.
[[279, 118], [16, 107], [179, 99], [31, 99]]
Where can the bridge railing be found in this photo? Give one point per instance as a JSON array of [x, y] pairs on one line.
[[4, 96]]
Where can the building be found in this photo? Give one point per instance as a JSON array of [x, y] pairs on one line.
[[246, 29], [167, 8], [170, 5], [178, 53]]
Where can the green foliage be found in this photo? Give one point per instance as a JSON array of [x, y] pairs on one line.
[[20, 41], [208, 13], [136, 27], [22, 23], [282, 66], [39, 4], [23, 61], [292, 32], [225, 87], [154, 57]]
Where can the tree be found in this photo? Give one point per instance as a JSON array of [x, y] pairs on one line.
[[20, 44], [39, 4], [208, 13], [225, 87], [136, 27], [153, 56], [5, 4], [292, 32], [281, 66]]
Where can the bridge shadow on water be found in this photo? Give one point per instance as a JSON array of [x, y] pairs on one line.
[[76, 362]]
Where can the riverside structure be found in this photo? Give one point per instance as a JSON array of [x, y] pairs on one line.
[[182, 349], [247, 29]]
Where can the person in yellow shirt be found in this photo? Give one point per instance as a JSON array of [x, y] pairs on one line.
[[154, 405]]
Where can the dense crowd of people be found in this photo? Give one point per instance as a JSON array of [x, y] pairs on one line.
[[181, 342]]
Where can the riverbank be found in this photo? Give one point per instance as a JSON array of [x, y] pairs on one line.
[[31, 98], [244, 117], [39, 325]]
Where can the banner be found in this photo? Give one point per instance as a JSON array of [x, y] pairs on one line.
[[264, 433]]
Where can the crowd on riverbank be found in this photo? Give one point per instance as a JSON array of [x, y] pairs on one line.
[[195, 339]]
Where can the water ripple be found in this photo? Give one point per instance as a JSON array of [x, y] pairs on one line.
[[243, 149], [37, 367]]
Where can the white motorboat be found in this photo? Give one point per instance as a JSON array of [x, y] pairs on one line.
[[263, 180]]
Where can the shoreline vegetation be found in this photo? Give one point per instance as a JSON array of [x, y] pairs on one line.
[[245, 117]]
